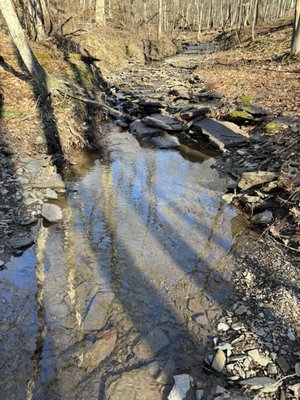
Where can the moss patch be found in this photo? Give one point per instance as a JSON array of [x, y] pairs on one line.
[[272, 127]]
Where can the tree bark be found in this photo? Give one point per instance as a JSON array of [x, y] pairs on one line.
[[100, 12], [295, 48], [160, 18], [20, 40]]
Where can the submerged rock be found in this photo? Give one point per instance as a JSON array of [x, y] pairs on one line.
[[165, 141], [152, 344], [183, 388], [141, 130]]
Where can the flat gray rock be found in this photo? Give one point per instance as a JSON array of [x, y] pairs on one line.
[[162, 122], [222, 134], [20, 242], [141, 130], [51, 212], [189, 113], [258, 383]]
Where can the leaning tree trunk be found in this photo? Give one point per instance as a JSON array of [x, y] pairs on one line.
[[295, 49], [20, 40]]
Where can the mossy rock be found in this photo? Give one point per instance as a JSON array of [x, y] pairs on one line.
[[246, 100], [272, 127], [255, 109], [239, 117]]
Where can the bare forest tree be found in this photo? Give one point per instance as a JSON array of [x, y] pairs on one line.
[[295, 49], [20, 40]]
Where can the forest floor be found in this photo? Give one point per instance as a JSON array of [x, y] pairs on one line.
[[268, 272]]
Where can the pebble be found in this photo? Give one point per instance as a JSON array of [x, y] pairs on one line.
[[291, 336], [219, 361], [222, 327], [2, 263], [241, 310], [283, 364]]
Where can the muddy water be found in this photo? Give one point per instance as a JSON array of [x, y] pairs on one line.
[[120, 296]]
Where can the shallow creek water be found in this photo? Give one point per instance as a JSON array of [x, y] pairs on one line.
[[121, 295]]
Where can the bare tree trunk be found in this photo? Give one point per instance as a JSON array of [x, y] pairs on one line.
[[20, 40], [100, 12], [255, 14], [160, 17], [295, 49]]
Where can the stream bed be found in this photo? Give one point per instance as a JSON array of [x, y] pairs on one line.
[[121, 295]]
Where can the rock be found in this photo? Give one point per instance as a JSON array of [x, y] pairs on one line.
[[183, 388], [252, 179], [199, 394], [258, 358], [53, 181], [239, 117], [209, 96], [237, 326], [271, 127], [255, 109], [258, 382], [165, 141], [219, 361], [297, 369], [237, 358], [94, 353], [222, 134], [34, 167], [222, 327], [2, 263], [264, 218], [162, 122], [20, 242], [291, 336], [152, 344], [255, 139], [224, 346], [228, 197], [283, 364], [51, 212], [51, 194], [189, 113], [141, 130], [241, 310], [296, 389]]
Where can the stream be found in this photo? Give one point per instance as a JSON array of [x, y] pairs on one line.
[[121, 295]]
